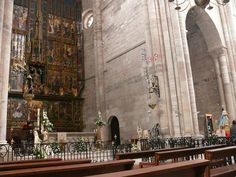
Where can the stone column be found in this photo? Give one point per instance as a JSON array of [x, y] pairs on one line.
[[1, 22], [229, 32], [147, 29], [220, 55], [182, 19], [99, 63], [219, 79], [5, 64]]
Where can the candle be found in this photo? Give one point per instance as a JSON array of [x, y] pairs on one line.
[[38, 117]]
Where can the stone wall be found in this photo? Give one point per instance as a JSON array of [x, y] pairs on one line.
[[123, 29]]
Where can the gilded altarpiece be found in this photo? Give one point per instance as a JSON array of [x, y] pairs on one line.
[[53, 55]]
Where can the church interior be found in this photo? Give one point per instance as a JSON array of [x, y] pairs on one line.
[[116, 83]]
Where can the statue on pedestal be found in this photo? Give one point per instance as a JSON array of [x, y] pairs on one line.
[[37, 140], [140, 132], [224, 123]]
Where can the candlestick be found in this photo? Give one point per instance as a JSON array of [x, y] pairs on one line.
[[38, 117]]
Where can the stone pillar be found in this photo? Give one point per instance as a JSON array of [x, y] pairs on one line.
[[164, 110], [1, 22], [226, 88], [99, 62], [181, 18], [175, 121], [5, 63], [147, 29], [219, 79], [229, 32]]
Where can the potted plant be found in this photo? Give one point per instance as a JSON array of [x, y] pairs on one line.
[[99, 122]]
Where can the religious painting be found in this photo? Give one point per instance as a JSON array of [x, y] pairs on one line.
[[55, 82], [54, 25], [37, 74], [20, 15], [16, 81], [17, 62], [69, 82], [69, 56], [65, 110], [18, 47], [68, 29], [36, 111], [53, 110], [37, 48], [18, 108], [53, 52]]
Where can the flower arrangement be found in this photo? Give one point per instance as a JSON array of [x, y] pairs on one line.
[[81, 145], [46, 124], [99, 121]]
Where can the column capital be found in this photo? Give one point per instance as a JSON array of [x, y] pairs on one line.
[[216, 53]]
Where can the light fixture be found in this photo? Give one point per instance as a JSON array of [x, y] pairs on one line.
[[182, 5]]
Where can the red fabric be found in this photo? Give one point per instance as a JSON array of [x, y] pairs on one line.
[[227, 134]]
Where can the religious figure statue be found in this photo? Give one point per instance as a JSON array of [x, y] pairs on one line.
[[224, 119], [146, 134], [224, 123], [45, 136], [37, 140], [140, 132]]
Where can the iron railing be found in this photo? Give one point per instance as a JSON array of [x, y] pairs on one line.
[[98, 151]]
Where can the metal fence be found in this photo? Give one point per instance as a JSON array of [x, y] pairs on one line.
[[98, 151]]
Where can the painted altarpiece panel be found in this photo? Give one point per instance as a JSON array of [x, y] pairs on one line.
[[68, 29], [54, 25], [20, 17], [53, 52], [17, 61], [18, 108]]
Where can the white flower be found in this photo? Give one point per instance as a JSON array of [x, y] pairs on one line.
[[47, 125], [99, 121]]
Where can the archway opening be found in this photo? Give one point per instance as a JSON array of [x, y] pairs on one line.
[[203, 37], [115, 129]]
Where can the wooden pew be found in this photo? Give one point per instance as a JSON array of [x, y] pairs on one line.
[[193, 168], [183, 154], [72, 170], [30, 161], [222, 162], [144, 154], [42, 164]]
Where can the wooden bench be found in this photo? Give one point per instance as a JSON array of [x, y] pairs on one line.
[[193, 168], [143, 154], [183, 154], [222, 162], [72, 170], [30, 161], [42, 164]]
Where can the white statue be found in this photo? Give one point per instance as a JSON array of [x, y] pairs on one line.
[[146, 134], [140, 132], [37, 140], [45, 135]]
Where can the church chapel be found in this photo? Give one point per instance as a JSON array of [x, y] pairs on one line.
[[109, 69]]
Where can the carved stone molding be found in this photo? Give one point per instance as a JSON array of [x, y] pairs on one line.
[[217, 52]]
